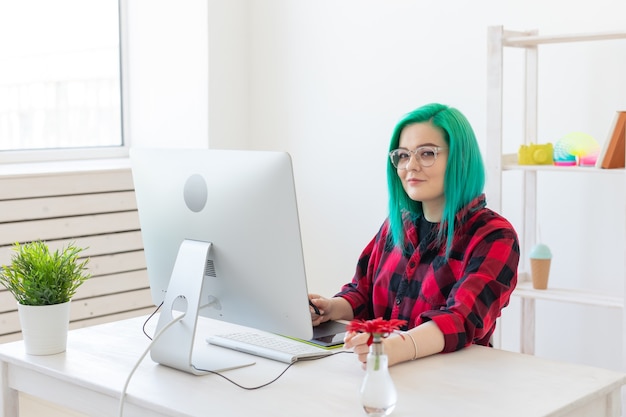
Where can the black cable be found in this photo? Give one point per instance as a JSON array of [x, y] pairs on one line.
[[273, 380], [148, 319]]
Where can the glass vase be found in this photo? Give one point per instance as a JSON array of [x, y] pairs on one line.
[[378, 392]]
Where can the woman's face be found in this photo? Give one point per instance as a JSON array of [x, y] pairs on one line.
[[424, 184]]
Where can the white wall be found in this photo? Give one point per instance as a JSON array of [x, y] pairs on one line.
[[326, 80], [167, 82], [229, 58]]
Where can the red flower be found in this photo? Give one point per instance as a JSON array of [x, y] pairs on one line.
[[376, 327]]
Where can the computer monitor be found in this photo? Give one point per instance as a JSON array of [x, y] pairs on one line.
[[231, 219]]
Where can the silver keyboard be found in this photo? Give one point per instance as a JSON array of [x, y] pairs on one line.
[[269, 346]]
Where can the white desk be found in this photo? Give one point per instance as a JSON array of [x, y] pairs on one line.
[[476, 381]]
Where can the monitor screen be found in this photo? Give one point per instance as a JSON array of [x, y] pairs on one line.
[[242, 203]]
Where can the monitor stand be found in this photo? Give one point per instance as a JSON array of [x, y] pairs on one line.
[[175, 346]]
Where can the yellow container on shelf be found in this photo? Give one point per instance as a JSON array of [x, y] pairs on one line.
[[536, 154]]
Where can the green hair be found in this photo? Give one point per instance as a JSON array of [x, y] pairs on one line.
[[464, 179]]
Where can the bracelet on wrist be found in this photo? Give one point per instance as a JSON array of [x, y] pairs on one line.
[[414, 345]]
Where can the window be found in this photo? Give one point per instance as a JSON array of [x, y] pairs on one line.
[[60, 69]]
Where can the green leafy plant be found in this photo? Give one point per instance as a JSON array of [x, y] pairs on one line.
[[37, 276]]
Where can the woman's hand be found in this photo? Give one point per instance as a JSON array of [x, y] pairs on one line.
[[323, 306], [335, 308], [358, 343], [397, 347]]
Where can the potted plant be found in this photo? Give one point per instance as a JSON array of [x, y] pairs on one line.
[[43, 283]]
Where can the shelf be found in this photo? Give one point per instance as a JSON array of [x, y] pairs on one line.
[[509, 163], [497, 162], [598, 299], [519, 40]]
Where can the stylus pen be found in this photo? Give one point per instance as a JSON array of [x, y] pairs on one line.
[[317, 310]]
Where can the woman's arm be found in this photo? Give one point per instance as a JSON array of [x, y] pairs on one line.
[[421, 341]]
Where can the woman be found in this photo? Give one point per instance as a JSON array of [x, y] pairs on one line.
[[442, 261]]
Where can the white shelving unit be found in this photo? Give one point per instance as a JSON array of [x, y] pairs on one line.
[[497, 162]]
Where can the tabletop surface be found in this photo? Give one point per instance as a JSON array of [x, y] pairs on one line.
[[476, 381]]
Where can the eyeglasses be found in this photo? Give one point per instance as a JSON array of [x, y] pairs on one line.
[[425, 156]]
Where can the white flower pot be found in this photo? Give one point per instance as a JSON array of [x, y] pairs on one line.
[[44, 328]]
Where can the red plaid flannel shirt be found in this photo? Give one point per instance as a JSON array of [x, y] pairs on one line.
[[463, 295]]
